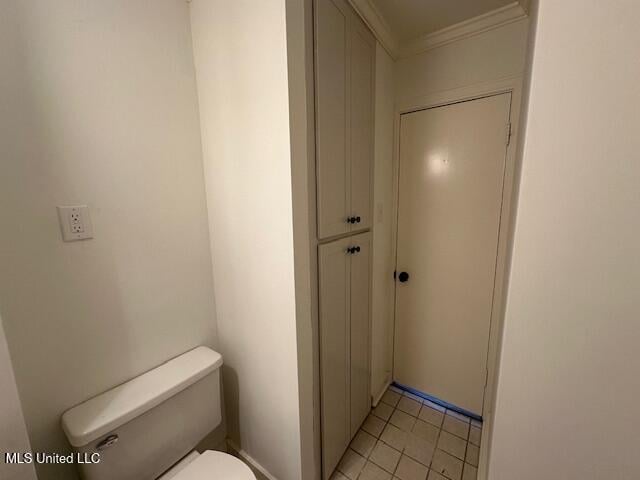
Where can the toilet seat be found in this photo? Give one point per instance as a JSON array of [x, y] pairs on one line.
[[212, 465]]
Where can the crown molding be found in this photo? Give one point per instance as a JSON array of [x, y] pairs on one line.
[[526, 5], [376, 22], [474, 26]]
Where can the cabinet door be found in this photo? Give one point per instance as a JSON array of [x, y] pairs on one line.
[[362, 65], [334, 283], [332, 116], [360, 327]]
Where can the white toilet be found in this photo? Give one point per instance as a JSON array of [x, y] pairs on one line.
[[147, 428]]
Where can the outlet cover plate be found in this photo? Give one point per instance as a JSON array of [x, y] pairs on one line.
[[75, 223]]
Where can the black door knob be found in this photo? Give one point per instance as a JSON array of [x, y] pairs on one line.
[[403, 277]]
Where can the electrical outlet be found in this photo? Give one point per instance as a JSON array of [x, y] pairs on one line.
[[75, 223]]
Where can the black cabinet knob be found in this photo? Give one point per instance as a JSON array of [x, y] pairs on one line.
[[357, 219], [403, 277]]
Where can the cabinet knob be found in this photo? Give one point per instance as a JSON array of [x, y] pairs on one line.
[[357, 219], [353, 250], [351, 219], [403, 277]]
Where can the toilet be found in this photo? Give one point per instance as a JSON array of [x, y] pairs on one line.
[[148, 427]]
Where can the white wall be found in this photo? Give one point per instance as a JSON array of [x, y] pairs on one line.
[[303, 178], [99, 107], [569, 381], [241, 64], [383, 264], [487, 57], [13, 434]]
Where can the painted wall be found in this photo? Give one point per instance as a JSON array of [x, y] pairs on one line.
[[241, 63], [299, 15], [569, 378], [487, 57], [13, 434], [99, 107], [383, 263]]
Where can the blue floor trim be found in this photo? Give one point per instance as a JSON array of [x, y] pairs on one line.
[[437, 401]]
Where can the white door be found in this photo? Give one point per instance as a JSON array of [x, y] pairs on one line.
[[335, 332], [344, 87], [452, 166], [345, 282]]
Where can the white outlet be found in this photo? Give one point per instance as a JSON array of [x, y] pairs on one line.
[[75, 223]]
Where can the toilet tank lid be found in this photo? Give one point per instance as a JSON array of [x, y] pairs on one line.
[[100, 415]]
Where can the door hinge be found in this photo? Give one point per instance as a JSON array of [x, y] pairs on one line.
[[509, 133]]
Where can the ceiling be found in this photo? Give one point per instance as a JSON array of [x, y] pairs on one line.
[[410, 19]]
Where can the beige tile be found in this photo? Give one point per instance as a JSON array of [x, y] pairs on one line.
[[426, 431], [409, 469], [473, 454], [363, 443], [448, 442], [394, 437], [412, 396], [337, 476], [373, 472], [419, 449], [433, 475], [385, 457], [402, 420], [447, 465], [409, 405], [383, 411], [470, 472], [455, 426], [433, 405], [351, 464], [430, 415], [459, 416], [391, 398], [373, 425], [474, 435]]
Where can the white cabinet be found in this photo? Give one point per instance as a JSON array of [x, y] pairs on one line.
[[344, 94], [344, 282], [344, 86]]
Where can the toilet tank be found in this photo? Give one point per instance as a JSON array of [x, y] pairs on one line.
[[144, 426]]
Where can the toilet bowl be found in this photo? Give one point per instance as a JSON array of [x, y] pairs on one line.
[[210, 465], [148, 427]]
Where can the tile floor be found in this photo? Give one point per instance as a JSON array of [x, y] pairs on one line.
[[408, 438]]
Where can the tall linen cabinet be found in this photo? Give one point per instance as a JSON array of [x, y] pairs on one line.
[[344, 91]]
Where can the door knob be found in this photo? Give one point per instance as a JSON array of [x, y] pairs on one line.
[[403, 277]]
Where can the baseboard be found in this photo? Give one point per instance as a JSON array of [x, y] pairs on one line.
[[378, 396], [437, 401], [250, 460]]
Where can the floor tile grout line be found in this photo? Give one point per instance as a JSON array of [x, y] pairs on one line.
[[386, 422]]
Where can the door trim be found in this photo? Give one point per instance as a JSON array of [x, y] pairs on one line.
[[514, 86]]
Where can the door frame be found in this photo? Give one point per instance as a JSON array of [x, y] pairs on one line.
[[514, 86]]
